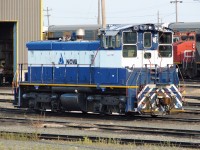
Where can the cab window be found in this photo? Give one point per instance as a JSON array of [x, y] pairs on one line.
[[129, 51], [129, 37], [129, 44], [176, 39], [191, 38], [110, 41], [147, 39], [165, 38], [165, 51], [184, 38], [147, 55], [165, 44]]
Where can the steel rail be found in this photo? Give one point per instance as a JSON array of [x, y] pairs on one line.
[[113, 128], [95, 116]]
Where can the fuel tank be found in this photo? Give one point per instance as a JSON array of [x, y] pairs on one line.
[[73, 102]]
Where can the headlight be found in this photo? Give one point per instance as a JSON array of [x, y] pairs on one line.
[[155, 27], [136, 28], [150, 27], [143, 27]]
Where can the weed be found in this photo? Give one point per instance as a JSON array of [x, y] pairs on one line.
[[20, 137]]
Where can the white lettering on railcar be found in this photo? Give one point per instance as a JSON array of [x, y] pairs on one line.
[[71, 61]]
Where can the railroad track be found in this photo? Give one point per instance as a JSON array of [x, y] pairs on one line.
[[193, 97], [99, 138], [193, 104], [98, 116], [195, 112], [123, 129], [195, 80], [192, 108], [7, 94], [26, 111], [6, 101], [194, 134]]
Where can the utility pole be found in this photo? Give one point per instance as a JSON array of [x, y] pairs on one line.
[[48, 15], [158, 17], [99, 11], [176, 6], [103, 14]]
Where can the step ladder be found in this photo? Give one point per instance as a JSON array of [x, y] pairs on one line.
[[153, 72], [154, 75]]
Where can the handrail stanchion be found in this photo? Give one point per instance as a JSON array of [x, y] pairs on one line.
[[65, 72], [53, 72], [156, 73], [30, 73], [42, 71], [147, 74], [21, 72], [90, 73], [77, 75], [168, 72]]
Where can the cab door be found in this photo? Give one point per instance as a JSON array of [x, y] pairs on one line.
[[149, 50], [130, 56]]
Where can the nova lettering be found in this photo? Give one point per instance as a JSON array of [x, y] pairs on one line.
[[71, 61]]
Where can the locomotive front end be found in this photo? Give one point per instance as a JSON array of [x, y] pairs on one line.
[[159, 100], [148, 57]]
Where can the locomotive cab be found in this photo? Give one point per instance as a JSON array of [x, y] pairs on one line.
[[143, 44]]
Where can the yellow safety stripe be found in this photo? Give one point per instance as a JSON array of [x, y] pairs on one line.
[[79, 85], [171, 111]]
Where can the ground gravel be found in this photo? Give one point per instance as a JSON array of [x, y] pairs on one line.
[[58, 129]]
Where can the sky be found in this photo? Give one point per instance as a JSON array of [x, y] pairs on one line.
[[76, 12]]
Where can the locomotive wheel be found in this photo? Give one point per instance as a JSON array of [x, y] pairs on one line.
[[129, 114], [37, 111], [84, 112], [154, 116]]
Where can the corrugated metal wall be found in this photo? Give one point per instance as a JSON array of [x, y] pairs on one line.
[[28, 17]]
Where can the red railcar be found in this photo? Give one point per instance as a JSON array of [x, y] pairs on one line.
[[185, 52], [187, 47]]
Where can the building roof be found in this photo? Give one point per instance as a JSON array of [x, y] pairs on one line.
[[61, 28], [185, 26]]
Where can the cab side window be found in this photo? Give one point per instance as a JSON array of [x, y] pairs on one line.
[[165, 44], [129, 44]]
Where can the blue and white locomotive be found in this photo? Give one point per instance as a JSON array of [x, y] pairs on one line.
[[129, 69]]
